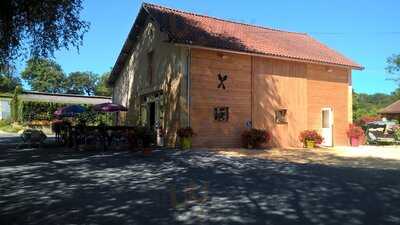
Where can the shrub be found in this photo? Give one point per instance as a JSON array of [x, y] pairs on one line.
[[397, 134], [254, 138], [11, 127], [310, 135], [367, 119], [355, 131], [141, 136], [4, 123], [186, 132]]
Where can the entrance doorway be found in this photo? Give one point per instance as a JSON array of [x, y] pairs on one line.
[[327, 126], [152, 114]]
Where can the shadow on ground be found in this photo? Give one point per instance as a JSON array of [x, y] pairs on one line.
[[56, 186]]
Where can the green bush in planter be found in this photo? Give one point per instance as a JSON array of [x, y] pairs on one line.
[[141, 136], [185, 137], [255, 138]]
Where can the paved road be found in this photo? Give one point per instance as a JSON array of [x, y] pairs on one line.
[[56, 186]]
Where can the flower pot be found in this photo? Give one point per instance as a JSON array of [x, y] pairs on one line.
[[354, 141], [146, 151], [310, 144], [186, 143]]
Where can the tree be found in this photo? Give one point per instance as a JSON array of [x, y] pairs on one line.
[[8, 82], [39, 27], [81, 83], [393, 66], [44, 75], [15, 105], [370, 104], [102, 87]]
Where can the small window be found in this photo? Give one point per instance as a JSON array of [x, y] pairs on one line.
[[281, 116], [150, 56], [325, 118], [221, 113]]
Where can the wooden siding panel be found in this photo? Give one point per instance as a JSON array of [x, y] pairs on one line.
[[280, 85], [205, 95], [302, 89], [329, 89]]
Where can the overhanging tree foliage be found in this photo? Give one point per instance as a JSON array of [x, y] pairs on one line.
[[8, 82], [393, 64], [39, 27], [393, 67]]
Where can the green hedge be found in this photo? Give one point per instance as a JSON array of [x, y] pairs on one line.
[[45, 111], [39, 110]]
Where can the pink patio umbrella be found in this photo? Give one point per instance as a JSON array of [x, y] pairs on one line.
[[110, 107]]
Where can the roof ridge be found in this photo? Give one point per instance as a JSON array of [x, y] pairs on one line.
[[224, 20]]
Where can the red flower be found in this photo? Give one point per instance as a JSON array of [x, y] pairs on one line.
[[310, 135], [355, 131]]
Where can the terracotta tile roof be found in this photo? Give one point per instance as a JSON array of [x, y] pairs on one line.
[[392, 108], [205, 31], [194, 29]]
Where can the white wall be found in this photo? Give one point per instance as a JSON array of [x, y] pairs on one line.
[[5, 109]]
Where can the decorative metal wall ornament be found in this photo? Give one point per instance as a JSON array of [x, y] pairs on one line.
[[221, 79]]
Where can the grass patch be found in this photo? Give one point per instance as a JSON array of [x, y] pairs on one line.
[[10, 129], [7, 126]]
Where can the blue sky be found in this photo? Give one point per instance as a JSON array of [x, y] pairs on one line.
[[365, 31]]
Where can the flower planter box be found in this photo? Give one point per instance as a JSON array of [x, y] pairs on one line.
[[186, 143], [354, 142], [147, 151], [310, 144]]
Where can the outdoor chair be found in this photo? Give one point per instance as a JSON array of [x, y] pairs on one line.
[[33, 137]]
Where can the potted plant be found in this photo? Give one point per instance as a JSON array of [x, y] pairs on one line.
[[355, 134], [254, 138], [185, 137], [141, 137], [310, 138]]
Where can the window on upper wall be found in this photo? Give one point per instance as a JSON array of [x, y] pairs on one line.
[[221, 113], [150, 56], [281, 116]]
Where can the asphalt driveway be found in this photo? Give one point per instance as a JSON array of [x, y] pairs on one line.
[[57, 186]]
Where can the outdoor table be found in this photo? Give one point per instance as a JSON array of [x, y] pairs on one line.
[[80, 133]]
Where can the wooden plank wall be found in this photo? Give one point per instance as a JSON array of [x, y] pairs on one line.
[[303, 89], [205, 95], [329, 89], [278, 85]]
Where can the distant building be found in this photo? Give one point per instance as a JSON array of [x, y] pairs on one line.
[[5, 109], [391, 111], [34, 96]]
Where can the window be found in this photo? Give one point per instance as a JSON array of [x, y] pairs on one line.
[[280, 116], [221, 113], [325, 118], [150, 56]]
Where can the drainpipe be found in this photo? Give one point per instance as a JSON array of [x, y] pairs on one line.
[[252, 91], [188, 63]]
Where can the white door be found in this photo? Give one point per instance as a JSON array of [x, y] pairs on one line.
[[327, 126]]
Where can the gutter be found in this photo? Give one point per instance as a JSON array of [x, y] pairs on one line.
[[270, 56], [188, 65]]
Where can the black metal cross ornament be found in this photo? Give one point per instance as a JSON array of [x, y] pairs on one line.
[[221, 79]]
